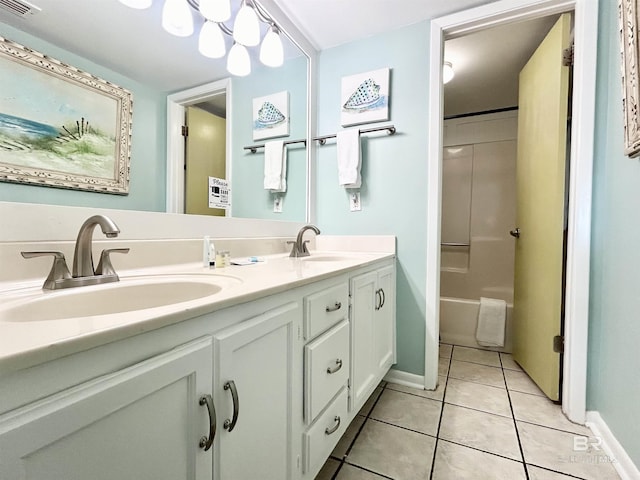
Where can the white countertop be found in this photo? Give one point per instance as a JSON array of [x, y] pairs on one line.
[[27, 343]]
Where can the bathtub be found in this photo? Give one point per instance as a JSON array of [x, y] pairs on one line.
[[458, 321]]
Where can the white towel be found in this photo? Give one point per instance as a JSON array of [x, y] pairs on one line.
[[349, 158], [491, 322], [275, 166]]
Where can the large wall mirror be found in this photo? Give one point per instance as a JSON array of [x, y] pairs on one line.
[[129, 48]]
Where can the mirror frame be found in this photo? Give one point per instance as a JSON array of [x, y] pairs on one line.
[[175, 119]]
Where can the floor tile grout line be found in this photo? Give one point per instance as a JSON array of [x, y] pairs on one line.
[[444, 393], [547, 426], [366, 417], [477, 449], [515, 425], [570, 475], [382, 475]]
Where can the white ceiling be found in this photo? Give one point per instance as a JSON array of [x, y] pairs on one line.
[[133, 43]]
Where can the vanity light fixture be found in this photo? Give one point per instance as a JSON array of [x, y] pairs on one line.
[[178, 19], [447, 72]]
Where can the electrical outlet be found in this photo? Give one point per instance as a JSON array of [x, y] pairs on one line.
[[354, 202], [277, 204]]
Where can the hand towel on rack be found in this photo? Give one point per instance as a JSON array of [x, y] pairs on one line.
[[275, 166], [349, 158], [491, 322]]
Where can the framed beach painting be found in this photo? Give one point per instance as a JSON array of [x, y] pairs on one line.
[[61, 127], [365, 98], [630, 81], [271, 116]]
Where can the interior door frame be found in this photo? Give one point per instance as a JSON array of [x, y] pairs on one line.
[[176, 104], [574, 388]]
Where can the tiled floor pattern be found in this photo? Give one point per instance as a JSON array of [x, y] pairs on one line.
[[486, 420]]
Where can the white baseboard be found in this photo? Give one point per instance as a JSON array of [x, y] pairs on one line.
[[405, 378], [623, 464]]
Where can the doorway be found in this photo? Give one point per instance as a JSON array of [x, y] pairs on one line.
[[581, 157], [177, 105], [503, 177]]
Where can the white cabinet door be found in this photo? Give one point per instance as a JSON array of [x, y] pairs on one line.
[[255, 388], [143, 422], [385, 319], [373, 331], [363, 303]]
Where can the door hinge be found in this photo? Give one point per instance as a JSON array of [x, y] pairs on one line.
[[558, 344], [567, 56], [185, 131]]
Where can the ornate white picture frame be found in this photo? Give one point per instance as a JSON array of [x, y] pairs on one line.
[[61, 127], [631, 88]]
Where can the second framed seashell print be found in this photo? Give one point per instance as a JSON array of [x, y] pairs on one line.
[[271, 116], [365, 98]]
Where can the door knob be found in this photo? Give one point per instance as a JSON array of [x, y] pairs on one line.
[[515, 233]]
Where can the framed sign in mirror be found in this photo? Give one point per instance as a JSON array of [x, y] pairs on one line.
[[61, 127], [631, 88]]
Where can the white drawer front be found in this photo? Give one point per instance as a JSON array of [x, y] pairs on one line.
[[323, 436], [326, 361], [324, 309]]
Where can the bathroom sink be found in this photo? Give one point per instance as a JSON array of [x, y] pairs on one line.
[[127, 295]]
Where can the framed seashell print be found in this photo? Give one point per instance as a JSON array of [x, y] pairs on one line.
[[61, 127], [365, 98], [271, 116], [630, 81]]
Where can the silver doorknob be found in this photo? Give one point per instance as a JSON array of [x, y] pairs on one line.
[[515, 233]]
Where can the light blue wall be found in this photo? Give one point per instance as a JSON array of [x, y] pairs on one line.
[[614, 335], [248, 196], [394, 169], [148, 142]]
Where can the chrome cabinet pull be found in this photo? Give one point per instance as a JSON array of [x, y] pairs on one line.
[[515, 233], [335, 308], [336, 368], [206, 442], [329, 431], [383, 297], [229, 425]]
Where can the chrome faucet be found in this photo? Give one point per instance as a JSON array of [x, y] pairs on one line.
[[82, 256], [84, 272], [299, 248]]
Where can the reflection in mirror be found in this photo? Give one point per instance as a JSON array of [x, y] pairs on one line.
[[129, 48]]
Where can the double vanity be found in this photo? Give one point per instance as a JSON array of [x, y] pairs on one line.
[[180, 371]]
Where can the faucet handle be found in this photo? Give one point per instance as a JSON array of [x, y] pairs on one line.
[[294, 248], [104, 265], [304, 247], [59, 269]]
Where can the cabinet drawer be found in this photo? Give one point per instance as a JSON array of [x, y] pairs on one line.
[[324, 309], [326, 368], [323, 436]]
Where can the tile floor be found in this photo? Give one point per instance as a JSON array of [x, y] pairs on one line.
[[486, 420]]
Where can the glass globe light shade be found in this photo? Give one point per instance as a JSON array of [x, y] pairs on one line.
[[177, 18], [271, 51], [215, 10], [238, 62], [246, 28], [211, 41], [447, 72]]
